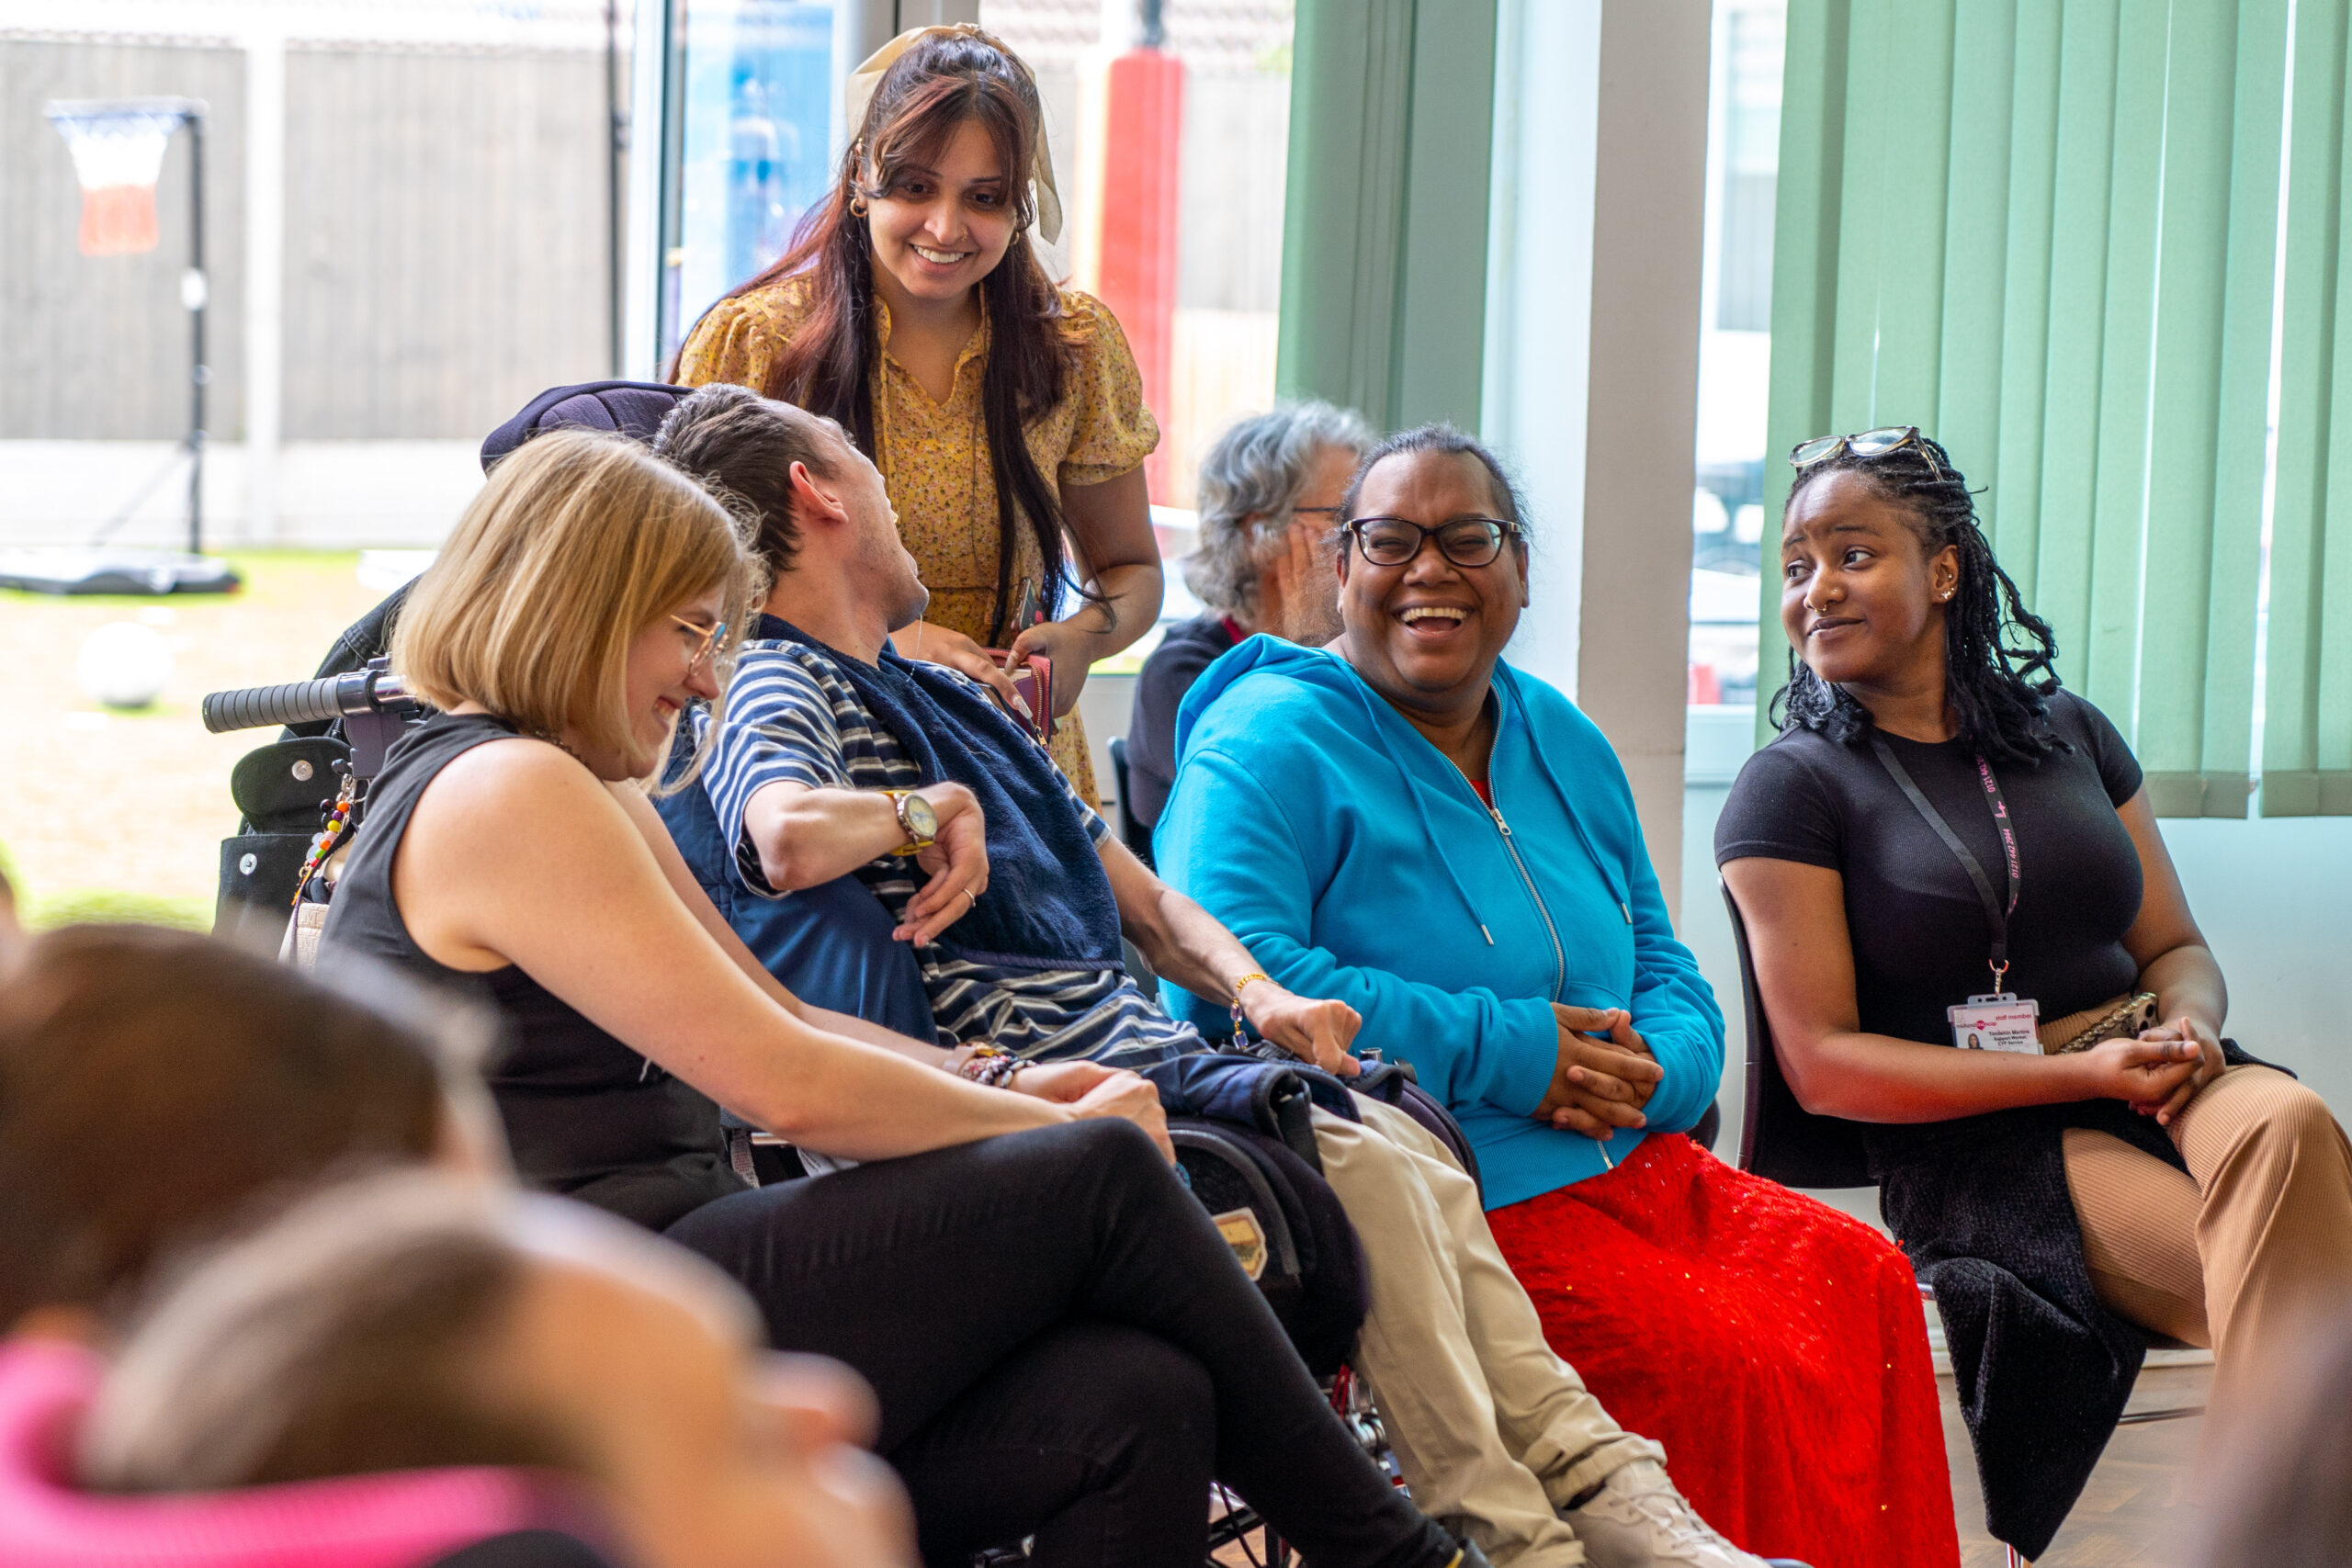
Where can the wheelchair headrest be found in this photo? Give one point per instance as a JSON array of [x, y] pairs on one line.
[[634, 408], [398, 1520]]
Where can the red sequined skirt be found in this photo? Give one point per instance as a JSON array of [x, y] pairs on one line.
[[1775, 1346]]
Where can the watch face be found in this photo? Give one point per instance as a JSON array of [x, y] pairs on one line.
[[921, 820]]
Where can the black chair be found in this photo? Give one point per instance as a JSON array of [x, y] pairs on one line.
[[1132, 833], [1779, 1139]]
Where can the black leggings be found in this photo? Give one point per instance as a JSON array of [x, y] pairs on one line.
[[1064, 1346]]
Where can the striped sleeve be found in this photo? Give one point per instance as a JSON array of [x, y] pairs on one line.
[[780, 728]]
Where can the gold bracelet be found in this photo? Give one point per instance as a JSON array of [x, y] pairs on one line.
[[1246, 980]]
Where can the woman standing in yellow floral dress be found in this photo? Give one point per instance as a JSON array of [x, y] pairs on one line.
[[1005, 414]]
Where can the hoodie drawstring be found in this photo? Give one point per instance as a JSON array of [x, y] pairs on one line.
[[1429, 829], [1610, 874]]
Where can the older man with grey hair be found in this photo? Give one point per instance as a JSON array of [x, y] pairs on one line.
[[1270, 492]]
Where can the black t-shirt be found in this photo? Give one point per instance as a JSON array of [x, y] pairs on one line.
[[1919, 928], [1188, 647]]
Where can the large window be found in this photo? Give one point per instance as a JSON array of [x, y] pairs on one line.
[[1735, 358], [749, 147]]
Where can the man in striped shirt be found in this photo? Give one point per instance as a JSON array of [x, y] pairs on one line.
[[827, 743]]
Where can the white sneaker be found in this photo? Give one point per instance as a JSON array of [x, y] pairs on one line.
[[1637, 1520]]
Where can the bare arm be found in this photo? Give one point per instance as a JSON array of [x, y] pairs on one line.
[[1804, 967], [809, 836], [1187, 945], [516, 855], [1111, 525], [2192, 999]]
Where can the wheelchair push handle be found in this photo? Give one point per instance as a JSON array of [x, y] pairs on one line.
[[303, 702]]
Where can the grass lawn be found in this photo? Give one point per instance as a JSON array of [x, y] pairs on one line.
[[119, 816]]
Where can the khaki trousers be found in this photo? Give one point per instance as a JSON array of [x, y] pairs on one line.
[[1493, 1431], [2234, 1254]]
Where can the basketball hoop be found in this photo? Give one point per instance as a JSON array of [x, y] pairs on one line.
[[118, 147]]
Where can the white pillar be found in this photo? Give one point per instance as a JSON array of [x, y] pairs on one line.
[[1641, 425], [1539, 278], [1590, 381], [264, 277]]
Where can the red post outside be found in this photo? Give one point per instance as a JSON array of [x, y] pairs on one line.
[[1143, 136]]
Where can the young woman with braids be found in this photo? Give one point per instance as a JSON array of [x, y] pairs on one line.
[[1004, 413], [2121, 1161]]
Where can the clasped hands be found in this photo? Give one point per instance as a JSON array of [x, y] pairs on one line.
[[1605, 1075], [2159, 1071]]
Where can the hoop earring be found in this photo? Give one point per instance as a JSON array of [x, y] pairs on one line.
[[857, 206]]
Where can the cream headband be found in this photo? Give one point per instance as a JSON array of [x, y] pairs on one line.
[[859, 92]]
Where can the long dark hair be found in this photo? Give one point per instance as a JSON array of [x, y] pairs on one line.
[[944, 81], [1997, 688]]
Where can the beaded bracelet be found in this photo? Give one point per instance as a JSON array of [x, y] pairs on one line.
[[991, 1066]]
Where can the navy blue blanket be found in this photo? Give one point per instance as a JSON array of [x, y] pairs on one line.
[[1048, 904]]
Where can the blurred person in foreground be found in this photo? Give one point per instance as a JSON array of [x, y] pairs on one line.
[[12, 931], [1270, 490], [413, 1321], [159, 1089], [2279, 1492]]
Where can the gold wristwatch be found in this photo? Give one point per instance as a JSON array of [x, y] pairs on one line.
[[916, 819]]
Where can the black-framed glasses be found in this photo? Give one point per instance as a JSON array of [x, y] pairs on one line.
[[1465, 541], [1866, 445], [709, 636]]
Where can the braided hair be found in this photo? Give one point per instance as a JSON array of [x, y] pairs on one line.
[[1997, 690]]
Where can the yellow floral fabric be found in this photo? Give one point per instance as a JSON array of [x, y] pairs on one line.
[[933, 455]]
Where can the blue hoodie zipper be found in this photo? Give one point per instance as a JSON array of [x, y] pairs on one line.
[[1559, 957]]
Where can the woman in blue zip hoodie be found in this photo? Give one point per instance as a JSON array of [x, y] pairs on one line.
[[1406, 823]]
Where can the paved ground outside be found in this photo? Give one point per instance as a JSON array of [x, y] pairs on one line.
[[120, 815]]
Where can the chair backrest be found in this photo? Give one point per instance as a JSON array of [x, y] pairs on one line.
[[365, 1522], [1132, 833], [1779, 1139]]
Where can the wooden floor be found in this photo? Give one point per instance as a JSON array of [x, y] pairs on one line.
[[2139, 1506]]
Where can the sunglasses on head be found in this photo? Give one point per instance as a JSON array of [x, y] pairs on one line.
[[1867, 444]]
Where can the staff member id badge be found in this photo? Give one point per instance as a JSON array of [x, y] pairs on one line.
[[1997, 1019]]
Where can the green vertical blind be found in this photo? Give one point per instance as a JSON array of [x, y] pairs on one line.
[[1384, 222], [2047, 231]]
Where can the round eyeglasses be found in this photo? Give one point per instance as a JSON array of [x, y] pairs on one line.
[[705, 640], [1465, 541]]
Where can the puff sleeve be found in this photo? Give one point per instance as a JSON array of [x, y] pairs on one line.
[[1113, 432], [736, 342]]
